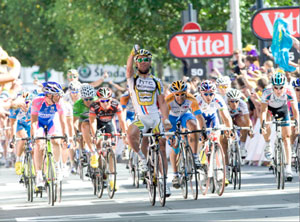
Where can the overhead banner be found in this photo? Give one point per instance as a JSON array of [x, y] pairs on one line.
[[201, 45], [263, 20]]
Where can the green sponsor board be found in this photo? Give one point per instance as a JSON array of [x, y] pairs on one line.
[[40, 75]]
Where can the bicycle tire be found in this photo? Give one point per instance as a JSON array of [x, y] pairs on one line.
[[50, 181], [191, 172], [111, 168], [218, 157], [282, 166], [30, 178], [204, 180], [99, 183], [58, 191], [150, 180], [237, 168], [182, 174], [161, 178], [277, 166]]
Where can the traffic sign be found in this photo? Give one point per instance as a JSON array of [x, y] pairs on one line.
[[191, 27]]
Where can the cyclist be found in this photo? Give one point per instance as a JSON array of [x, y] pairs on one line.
[[239, 113], [81, 111], [22, 117], [212, 105], [101, 115], [147, 96], [296, 86], [43, 111], [223, 85], [275, 102], [179, 104], [71, 96]]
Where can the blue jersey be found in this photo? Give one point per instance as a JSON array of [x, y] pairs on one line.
[[21, 116]]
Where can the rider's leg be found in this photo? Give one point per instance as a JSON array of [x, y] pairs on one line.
[[286, 136], [267, 150], [20, 149], [85, 129], [241, 122], [133, 137], [162, 144], [194, 137]]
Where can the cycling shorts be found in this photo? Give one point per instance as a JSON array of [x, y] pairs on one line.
[[281, 112], [210, 120], [184, 118], [146, 122], [109, 126], [130, 116], [23, 126]]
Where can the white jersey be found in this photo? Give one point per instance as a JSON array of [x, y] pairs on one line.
[[275, 102], [209, 109], [241, 110], [143, 93]]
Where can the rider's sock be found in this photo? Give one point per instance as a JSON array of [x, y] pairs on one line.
[[39, 173], [195, 156], [175, 174], [18, 159], [141, 155], [288, 167]]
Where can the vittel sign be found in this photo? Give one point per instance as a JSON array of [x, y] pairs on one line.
[[263, 20], [201, 45]]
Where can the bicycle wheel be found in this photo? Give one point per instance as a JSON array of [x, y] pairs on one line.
[[161, 178], [204, 180], [182, 174], [50, 181], [150, 179], [237, 168], [282, 166], [135, 169], [99, 183], [277, 165], [219, 169], [191, 173], [30, 178], [111, 168]]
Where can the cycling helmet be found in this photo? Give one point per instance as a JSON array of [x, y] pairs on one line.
[[73, 71], [207, 86], [104, 92], [178, 86], [143, 52], [296, 83], [87, 91], [223, 80], [234, 94], [52, 88], [74, 86], [278, 79]]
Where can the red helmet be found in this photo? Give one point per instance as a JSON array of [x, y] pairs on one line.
[[104, 92]]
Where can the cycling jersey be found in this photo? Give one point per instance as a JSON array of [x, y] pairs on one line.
[[105, 115], [190, 102], [82, 111], [273, 101], [45, 112], [241, 110], [23, 119], [209, 111], [144, 92], [126, 103]]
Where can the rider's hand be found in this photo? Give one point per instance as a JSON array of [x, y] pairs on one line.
[[167, 125], [134, 50], [251, 133], [173, 142], [227, 133]]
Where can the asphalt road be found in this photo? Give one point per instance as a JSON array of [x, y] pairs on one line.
[[258, 200]]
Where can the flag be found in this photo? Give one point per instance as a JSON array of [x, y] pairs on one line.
[[281, 45]]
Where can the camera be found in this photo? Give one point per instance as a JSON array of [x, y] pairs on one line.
[[3, 62]]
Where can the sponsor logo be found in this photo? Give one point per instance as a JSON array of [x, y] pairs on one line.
[[263, 20], [201, 45]]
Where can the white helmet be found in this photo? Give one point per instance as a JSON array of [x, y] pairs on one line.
[[87, 91], [223, 80], [74, 86], [234, 94]]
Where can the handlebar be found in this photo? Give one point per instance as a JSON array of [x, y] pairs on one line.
[[49, 137]]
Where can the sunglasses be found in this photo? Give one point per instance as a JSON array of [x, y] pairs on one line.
[[297, 89], [72, 76], [74, 92], [104, 100], [88, 99], [278, 88], [26, 102], [180, 94], [144, 59], [208, 94], [234, 101], [3, 62], [223, 87]]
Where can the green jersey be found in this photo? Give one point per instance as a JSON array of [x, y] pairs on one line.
[[80, 110]]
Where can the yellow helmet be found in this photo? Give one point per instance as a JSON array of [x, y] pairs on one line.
[[178, 86], [143, 52]]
